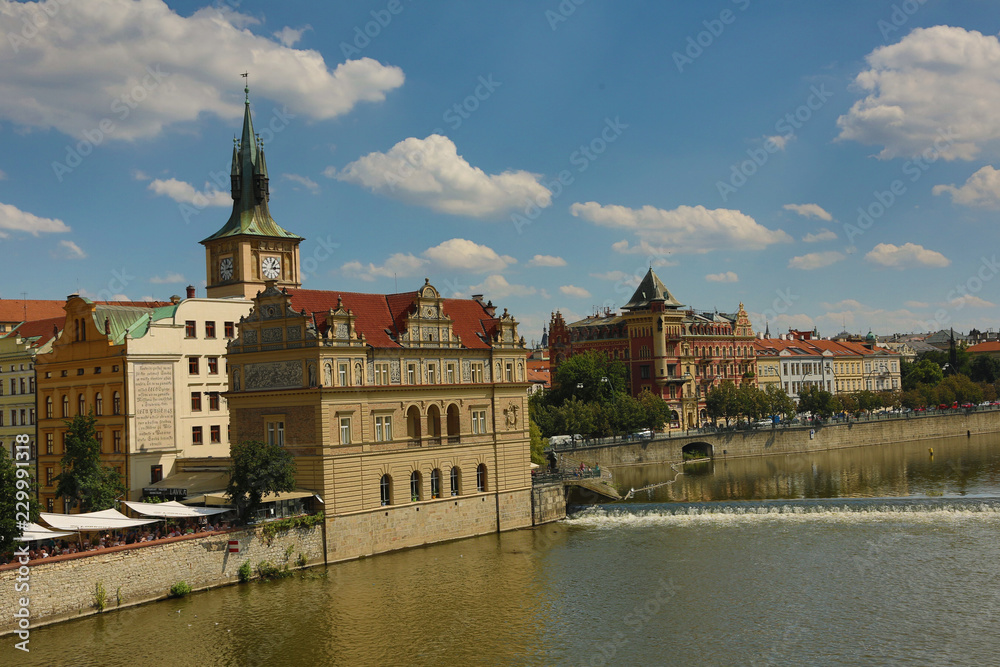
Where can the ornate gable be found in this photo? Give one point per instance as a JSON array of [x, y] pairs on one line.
[[341, 330], [426, 324], [505, 336]]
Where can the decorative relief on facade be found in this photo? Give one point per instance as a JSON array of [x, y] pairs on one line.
[[359, 377], [466, 370], [312, 375], [236, 378], [295, 333], [486, 372], [327, 374], [341, 331], [371, 372], [271, 335], [273, 375], [154, 401], [394, 371], [250, 337]]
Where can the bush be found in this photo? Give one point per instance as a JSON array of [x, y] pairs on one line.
[[100, 597], [245, 572], [272, 528], [268, 570], [301, 560], [179, 590]]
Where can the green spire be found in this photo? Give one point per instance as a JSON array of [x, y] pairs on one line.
[[250, 188]]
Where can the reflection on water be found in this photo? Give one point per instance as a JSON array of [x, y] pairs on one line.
[[958, 467], [896, 565]]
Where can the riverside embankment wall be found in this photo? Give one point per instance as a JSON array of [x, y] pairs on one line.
[[793, 439], [64, 587]]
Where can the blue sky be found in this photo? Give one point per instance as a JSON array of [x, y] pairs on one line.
[[827, 164]]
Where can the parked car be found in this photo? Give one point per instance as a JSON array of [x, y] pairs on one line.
[[968, 405], [920, 409], [764, 422], [644, 433]]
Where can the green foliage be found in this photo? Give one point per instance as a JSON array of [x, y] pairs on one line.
[[180, 589], [245, 572], [779, 403], [100, 597], [538, 443], [258, 468], [818, 401], [16, 488], [301, 560], [268, 570], [272, 528], [926, 371], [84, 481], [984, 369], [588, 369]]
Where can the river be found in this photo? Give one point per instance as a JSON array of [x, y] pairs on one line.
[[868, 556]]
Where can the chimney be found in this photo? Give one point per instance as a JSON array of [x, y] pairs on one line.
[[190, 291], [477, 297]]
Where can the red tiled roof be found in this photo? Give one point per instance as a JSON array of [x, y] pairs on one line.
[[378, 313], [16, 310], [991, 346], [42, 329]]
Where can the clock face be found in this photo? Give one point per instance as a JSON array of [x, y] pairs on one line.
[[226, 268], [270, 267]]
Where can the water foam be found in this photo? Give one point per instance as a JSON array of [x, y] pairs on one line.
[[840, 510]]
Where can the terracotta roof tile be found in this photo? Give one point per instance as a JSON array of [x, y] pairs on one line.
[[16, 310], [991, 346], [40, 329]]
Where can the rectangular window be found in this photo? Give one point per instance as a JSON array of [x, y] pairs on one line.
[[97, 370], [478, 422], [477, 373], [190, 331], [1, 419], [342, 374], [99, 436], [451, 373], [276, 433], [345, 430], [209, 329], [195, 435], [50, 505], [23, 414], [50, 443], [509, 372], [216, 433], [116, 441], [230, 330], [644, 372], [48, 477], [23, 385], [195, 401], [192, 365], [213, 365], [431, 374], [31, 416], [411, 374], [213, 401], [383, 429], [155, 474], [13, 386]]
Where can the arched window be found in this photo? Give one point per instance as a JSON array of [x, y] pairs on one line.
[[435, 483], [385, 490], [481, 477], [415, 486], [456, 478], [98, 404], [65, 410], [81, 404], [48, 408], [116, 403]]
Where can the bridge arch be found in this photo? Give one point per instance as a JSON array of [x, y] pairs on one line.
[[697, 450]]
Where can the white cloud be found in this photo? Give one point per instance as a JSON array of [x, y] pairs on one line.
[[823, 234], [935, 80], [686, 229], [727, 277], [546, 260], [970, 300], [809, 211], [452, 255], [859, 317], [140, 175], [575, 292], [290, 36], [184, 193], [14, 219], [916, 304], [906, 256], [3, 175], [170, 68], [780, 140], [330, 172], [781, 323], [430, 172], [982, 190], [71, 250], [168, 279], [815, 260], [497, 287], [465, 255], [304, 181]]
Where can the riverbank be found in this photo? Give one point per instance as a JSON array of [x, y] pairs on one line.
[[788, 440]]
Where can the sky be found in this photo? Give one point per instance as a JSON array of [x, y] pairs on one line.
[[830, 165]]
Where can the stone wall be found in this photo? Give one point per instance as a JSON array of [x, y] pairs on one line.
[[548, 502], [794, 439], [64, 587], [414, 524]]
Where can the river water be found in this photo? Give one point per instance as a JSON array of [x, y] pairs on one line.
[[880, 556]]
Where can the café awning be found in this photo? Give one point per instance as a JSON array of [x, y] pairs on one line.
[[172, 510], [188, 484], [103, 520], [35, 532], [220, 499]]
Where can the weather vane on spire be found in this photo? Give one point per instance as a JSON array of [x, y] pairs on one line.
[[246, 85]]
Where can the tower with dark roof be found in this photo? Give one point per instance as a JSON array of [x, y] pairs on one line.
[[251, 247]]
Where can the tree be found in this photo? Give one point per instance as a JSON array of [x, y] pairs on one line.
[[84, 482], [778, 402], [655, 409], [984, 369], [15, 490], [926, 371], [722, 401], [818, 401], [588, 369], [258, 468], [538, 443]]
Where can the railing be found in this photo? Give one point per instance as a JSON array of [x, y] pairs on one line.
[[412, 443], [454, 439], [432, 442]]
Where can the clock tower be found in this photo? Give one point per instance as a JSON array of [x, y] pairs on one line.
[[251, 247]]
